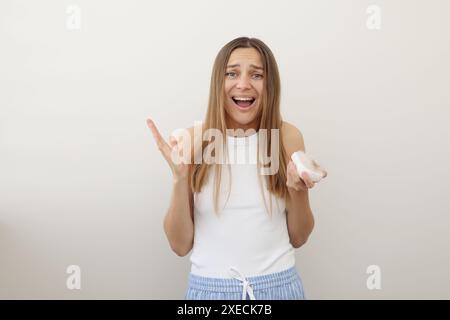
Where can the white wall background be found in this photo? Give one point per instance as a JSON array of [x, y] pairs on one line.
[[82, 182]]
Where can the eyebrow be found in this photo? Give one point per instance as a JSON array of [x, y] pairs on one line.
[[238, 65]]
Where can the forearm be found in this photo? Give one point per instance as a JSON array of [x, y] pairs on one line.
[[178, 223], [300, 219]]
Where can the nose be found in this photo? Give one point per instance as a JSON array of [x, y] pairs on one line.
[[243, 83]]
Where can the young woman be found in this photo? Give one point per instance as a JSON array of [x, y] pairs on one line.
[[242, 226]]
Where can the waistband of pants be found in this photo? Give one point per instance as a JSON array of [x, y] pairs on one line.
[[233, 285]]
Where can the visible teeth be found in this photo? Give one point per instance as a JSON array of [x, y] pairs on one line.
[[243, 99]]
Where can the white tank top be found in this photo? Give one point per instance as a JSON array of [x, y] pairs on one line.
[[242, 235]]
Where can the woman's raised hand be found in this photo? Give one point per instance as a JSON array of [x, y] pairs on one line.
[[179, 170]]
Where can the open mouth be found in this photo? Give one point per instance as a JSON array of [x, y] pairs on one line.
[[244, 102]]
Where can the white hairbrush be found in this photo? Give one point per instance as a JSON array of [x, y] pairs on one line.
[[304, 163]]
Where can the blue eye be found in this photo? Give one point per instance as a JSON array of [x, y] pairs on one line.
[[258, 76], [230, 74]]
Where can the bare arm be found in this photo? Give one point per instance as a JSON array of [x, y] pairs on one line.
[[300, 219], [178, 222]]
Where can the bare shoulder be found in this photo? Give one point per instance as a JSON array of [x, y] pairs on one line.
[[292, 138]]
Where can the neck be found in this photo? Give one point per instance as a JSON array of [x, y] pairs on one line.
[[234, 125]]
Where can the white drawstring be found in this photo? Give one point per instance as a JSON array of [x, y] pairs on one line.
[[247, 288]]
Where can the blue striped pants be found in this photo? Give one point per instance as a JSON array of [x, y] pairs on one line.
[[284, 285]]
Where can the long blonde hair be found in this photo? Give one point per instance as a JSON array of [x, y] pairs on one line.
[[270, 117]]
